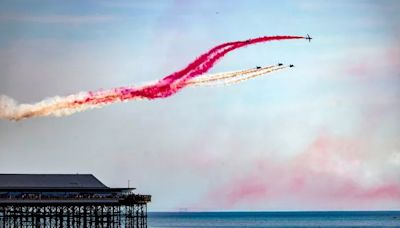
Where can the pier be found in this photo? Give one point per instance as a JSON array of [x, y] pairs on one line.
[[68, 200]]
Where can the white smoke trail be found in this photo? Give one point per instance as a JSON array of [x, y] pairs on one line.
[[252, 75], [63, 106], [56, 106], [233, 77], [221, 77], [8, 107]]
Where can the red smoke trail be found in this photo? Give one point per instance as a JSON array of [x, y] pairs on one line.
[[169, 85], [176, 81], [206, 61]]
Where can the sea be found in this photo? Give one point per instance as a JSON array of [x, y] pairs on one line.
[[275, 219]]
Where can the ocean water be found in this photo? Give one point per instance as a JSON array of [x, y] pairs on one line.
[[275, 219]]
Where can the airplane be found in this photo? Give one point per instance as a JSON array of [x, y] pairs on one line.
[[308, 38], [280, 64], [258, 67], [291, 65]]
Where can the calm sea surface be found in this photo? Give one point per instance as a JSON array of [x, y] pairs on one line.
[[275, 219]]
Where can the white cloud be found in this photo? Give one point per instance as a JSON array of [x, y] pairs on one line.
[[68, 19]]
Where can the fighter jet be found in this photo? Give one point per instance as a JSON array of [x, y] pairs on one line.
[[280, 64], [258, 67], [308, 38], [291, 65]]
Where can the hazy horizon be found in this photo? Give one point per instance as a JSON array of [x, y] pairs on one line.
[[323, 135]]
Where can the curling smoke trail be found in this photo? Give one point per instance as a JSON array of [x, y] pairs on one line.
[[169, 85]]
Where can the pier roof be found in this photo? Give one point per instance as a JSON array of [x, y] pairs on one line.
[[50, 181]]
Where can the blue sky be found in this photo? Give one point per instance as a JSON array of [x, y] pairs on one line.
[[328, 126]]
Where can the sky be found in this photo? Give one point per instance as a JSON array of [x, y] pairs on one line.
[[323, 135]]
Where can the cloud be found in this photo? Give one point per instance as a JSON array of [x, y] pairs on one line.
[[55, 19], [330, 174], [374, 61]]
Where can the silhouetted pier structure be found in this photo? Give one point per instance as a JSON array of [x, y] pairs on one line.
[[68, 200]]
